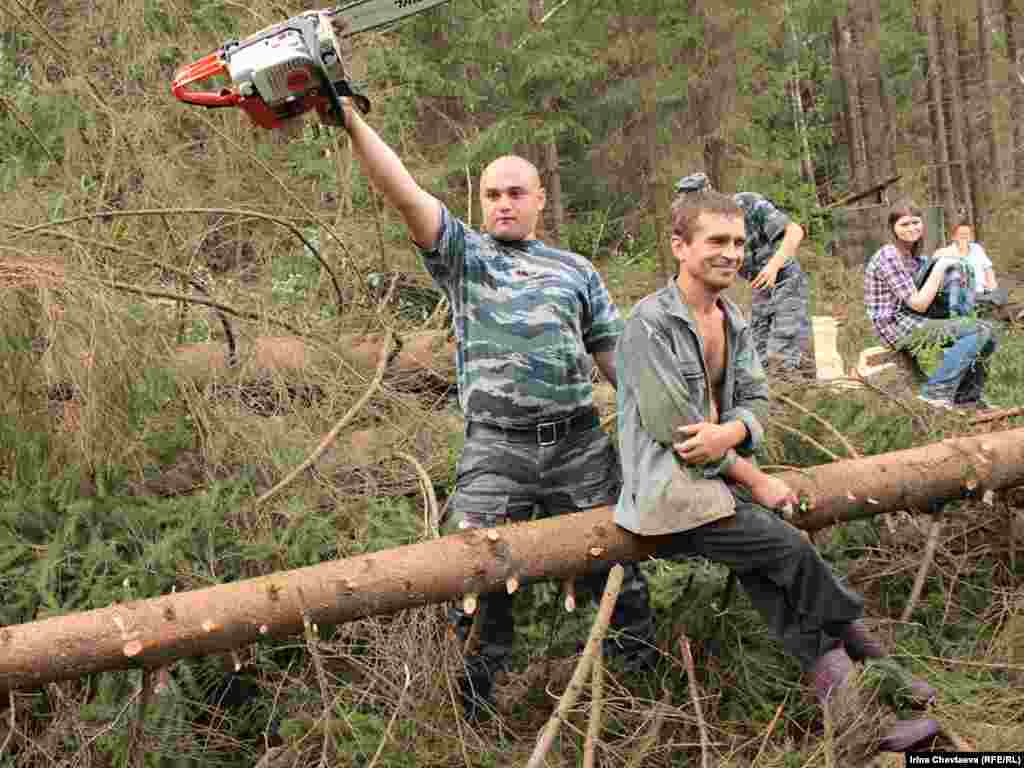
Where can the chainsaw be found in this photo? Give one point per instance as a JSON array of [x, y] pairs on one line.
[[291, 67]]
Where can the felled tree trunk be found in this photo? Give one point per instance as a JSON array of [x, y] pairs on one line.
[[157, 631]]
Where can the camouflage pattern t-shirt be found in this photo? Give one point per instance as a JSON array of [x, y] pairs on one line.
[[527, 317], [765, 226]]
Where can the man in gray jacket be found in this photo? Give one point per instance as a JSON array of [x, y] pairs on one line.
[[690, 397]]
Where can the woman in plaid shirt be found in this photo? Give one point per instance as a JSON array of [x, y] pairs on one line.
[[900, 285]]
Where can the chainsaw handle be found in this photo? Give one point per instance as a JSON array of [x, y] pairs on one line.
[[206, 67]]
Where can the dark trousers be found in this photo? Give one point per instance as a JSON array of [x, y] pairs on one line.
[[501, 481], [789, 584]]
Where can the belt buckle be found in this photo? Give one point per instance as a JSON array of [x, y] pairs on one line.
[[553, 426]]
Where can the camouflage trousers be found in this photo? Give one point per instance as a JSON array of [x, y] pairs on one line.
[[780, 320], [503, 482]]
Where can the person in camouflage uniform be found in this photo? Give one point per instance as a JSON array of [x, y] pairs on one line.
[[779, 305], [530, 321]]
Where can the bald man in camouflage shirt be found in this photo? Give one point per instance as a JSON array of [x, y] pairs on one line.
[[530, 322], [779, 315]]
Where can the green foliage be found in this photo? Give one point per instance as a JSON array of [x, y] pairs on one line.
[[213, 18], [32, 129], [1005, 384]]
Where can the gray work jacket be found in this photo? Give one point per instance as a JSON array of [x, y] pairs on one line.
[[663, 385]]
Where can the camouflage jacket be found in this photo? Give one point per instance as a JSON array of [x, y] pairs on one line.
[[765, 225], [527, 318], [663, 385]]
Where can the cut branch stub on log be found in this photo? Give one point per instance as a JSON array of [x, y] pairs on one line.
[[154, 632]]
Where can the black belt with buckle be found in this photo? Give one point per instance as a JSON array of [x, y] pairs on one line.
[[544, 433]]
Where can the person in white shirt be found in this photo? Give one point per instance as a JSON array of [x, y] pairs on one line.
[[975, 256]]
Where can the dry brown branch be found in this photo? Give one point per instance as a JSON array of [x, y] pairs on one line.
[[596, 706], [136, 742], [854, 454], [331, 436], [922, 572], [980, 664], [390, 292], [768, 732], [1011, 533], [205, 302], [12, 725], [457, 713], [24, 230], [829, 741], [394, 716], [1005, 413], [319, 220], [579, 676], [806, 438], [430, 512], [321, 676], [650, 738], [691, 679]]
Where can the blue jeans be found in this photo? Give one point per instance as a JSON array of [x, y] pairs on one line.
[[956, 295], [966, 344]]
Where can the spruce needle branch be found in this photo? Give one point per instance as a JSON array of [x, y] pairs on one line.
[[806, 438], [824, 422]]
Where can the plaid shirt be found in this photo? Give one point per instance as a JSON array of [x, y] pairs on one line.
[[888, 286]]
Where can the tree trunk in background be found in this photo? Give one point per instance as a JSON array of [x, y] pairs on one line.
[[551, 174], [974, 178], [986, 124], [715, 92], [851, 90], [864, 45], [886, 133], [1011, 11], [555, 207], [806, 158], [154, 632], [928, 10], [958, 155]]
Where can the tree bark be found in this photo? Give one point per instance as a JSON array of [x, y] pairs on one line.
[[554, 212], [987, 126], [959, 154], [867, 63], [928, 10], [155, 632], [806, 158], [886, 116], [1013, 53], [851, 89], [975, 181]]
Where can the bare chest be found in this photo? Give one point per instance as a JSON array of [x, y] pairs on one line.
[[712, 333]]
